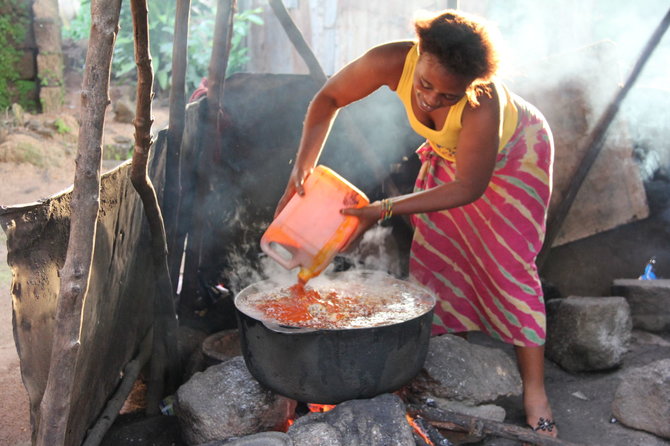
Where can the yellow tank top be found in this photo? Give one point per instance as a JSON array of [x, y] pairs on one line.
[[445, 140]]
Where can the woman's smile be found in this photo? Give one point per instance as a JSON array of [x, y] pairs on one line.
[[425, 105]]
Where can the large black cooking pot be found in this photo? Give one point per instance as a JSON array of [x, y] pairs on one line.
[[330, 366]]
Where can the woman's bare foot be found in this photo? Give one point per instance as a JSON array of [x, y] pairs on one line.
[[538, 414], [535, 402]]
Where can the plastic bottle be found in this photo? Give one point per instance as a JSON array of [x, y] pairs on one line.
[[649, 273], [310, 230]]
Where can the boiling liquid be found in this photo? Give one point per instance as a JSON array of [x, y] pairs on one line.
[[342, 306]]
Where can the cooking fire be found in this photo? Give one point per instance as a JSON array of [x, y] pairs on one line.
[[424, 434]]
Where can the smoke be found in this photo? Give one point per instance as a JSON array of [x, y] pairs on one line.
[[558, 31]]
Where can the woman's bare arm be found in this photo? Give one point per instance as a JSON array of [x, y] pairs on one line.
[[381, 65]]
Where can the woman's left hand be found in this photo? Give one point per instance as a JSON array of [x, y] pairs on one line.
[[367, 216]]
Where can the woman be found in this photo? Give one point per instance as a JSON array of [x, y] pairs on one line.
[[481, 196]]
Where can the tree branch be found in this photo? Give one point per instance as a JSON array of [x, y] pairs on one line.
[[165, 359], [56, 401]]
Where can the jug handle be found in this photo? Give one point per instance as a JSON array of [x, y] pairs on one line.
[[268, 247]]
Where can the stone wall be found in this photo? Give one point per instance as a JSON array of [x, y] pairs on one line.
[[47, 30], [39, 69]]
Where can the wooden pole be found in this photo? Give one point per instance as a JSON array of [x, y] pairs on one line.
[[165, 366], [56, 402], [298, 40], [218, 65], [595, 143], [173, 189], [210, 143]]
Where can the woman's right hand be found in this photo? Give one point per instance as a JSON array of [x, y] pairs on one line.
[[295, 185]]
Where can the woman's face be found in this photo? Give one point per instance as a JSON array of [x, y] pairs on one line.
[[435, 86]]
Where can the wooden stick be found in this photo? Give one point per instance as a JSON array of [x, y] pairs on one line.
[[55, 406], [476, 426], [165, 363], [298, 40], [218, 65], [130, 374], [208, 145], [175, 132], [595, 143]]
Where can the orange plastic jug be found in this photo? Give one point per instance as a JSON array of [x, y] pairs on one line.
[[310, 230]]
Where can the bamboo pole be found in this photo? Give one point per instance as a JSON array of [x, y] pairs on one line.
[[56, 402]]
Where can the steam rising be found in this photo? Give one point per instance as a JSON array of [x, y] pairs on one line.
[[533, 31], [376, 251]]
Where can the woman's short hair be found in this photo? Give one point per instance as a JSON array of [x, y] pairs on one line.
[[462, 43]]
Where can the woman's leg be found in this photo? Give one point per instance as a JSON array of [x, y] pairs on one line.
[[535, 401]]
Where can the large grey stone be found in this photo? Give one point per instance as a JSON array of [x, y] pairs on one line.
[[379, 421], [473, 374], [588, 333], [225, 401], [649, 301], [642, 400]]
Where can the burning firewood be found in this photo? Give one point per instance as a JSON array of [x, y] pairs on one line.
[[452, 421]]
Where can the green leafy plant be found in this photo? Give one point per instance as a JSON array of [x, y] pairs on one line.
[[61, 127], [161, 33], [11, 32], [25, 92]]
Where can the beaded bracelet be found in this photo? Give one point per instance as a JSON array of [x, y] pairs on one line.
[[387, 210]]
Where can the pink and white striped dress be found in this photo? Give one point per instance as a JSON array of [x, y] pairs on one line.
[[480, 258]]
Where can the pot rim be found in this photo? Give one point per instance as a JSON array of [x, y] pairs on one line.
[[425, 293]]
